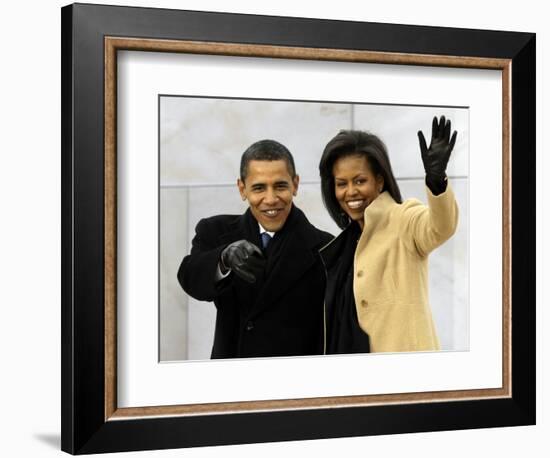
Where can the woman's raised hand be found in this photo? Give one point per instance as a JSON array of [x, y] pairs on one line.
[[436, 157]]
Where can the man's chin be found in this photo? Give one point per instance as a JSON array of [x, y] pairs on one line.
[[273, 225]]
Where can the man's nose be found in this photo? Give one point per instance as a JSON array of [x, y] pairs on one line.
[[270, 196]]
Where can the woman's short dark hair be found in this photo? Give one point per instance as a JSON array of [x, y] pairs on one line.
[[352, 143], [267, 150]]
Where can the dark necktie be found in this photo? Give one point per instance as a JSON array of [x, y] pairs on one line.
[[265, 239]]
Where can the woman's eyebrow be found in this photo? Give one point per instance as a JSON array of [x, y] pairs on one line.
[[352, 178]]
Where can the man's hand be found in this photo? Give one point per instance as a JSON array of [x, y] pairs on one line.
[[243, 258], [436, 157]]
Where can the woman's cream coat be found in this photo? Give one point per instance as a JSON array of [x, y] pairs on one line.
[[391, 269]]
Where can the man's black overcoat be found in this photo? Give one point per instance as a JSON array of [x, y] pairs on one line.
[[279, 315]]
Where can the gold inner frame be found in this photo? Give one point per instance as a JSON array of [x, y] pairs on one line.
[[114, 44]]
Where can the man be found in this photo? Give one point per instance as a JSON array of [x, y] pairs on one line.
[[269, 300]]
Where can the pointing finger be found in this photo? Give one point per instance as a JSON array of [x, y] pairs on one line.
[[252, 249]]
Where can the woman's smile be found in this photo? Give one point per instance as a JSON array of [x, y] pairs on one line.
[[355, 204]]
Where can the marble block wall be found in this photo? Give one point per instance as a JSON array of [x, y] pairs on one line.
[[201, 142]]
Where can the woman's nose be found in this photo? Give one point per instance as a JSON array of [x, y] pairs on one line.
[[352, 190]]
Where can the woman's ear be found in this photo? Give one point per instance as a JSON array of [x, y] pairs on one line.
[[380, 183]]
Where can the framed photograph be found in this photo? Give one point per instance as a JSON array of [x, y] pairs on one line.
[[158, 107]]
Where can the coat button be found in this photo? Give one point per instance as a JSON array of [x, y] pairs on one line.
[[249, 326], [360, 273], [364, 303]]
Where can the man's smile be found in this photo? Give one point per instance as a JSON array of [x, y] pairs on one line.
[[272, 212]]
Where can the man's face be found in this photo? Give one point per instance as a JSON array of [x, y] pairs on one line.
[[269, 189]]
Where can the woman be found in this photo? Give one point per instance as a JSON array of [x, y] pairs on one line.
[[377, 268]]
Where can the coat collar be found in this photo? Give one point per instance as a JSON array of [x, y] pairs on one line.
[[331, 252], [246, 226], [375, 214], [240, 228], [378, 210]]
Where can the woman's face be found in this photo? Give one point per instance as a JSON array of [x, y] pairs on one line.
[[355, 186]]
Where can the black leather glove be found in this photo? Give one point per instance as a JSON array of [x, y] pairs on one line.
[[245, 259], [436, 157]]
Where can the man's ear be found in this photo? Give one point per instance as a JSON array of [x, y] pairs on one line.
[[242, 188], [296, 182]]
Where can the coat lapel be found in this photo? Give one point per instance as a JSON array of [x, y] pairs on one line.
[[295, 256]]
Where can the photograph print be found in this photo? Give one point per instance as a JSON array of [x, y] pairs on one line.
[[308, 228]]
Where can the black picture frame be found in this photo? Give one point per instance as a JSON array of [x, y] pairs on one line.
[[85, 426]]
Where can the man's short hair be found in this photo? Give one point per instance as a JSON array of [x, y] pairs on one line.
[[267, 150]]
